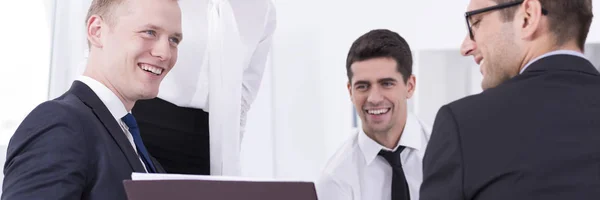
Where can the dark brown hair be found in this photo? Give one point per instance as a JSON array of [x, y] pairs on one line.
[[569, 19], [381, 43]]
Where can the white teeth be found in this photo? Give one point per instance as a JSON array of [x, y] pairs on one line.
[[378, 112], [150, 68]]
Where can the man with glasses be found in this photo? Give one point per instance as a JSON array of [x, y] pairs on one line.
[[534, 133]]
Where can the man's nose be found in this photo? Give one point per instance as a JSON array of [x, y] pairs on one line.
[[162, 50], [468, 46], [375, 96]]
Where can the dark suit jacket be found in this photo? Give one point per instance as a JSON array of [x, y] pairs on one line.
[[536, 136], [70, 148]]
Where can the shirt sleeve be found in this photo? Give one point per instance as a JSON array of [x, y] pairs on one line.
[[328, 188], [253, 73]]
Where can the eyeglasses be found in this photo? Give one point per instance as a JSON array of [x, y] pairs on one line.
[[491, 8]]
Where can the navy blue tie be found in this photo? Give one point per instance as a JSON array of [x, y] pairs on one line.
[[137, 139]]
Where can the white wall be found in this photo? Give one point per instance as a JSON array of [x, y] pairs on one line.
[[594, 35], [592, 52], [258, 142], [443, 77], [298, 111]]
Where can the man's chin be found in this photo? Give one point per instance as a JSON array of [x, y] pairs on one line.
[[488, 83], [377, 128], [148, 94], [484, 85]]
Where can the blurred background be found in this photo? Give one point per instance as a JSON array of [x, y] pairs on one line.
[[303, 111]]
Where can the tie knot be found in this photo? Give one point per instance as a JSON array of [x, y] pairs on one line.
[[392, 157], [130, 121]]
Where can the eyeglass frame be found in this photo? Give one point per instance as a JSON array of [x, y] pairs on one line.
[[492, 8]]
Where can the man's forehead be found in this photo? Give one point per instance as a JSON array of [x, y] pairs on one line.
[[122, 8], [154, 17], [376, 76], [478, 4]]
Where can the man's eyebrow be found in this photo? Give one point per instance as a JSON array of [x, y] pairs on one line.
[[361, 82], [387, 80], [152, 26]]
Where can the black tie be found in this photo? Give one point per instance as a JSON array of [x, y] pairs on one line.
[[399, 185]]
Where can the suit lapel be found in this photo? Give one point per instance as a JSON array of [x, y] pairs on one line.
[[88, 97]]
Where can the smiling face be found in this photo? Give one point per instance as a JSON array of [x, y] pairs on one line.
[[138, 49], [494, 46], [380, 95]]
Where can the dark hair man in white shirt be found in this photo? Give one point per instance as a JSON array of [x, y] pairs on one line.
[[196, 124], [383, 160], [534, 132], [83, 144]]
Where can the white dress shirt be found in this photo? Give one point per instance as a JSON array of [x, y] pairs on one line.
[[114, 105], [557, 52], [219, 69], [356, 172]]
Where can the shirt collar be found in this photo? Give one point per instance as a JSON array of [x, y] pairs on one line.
[[411, 139], [110, 100], [557, 52]]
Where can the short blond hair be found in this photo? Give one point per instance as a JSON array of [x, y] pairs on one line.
[[104, 9]]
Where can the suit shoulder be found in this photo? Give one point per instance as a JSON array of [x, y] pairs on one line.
[[465, 101], [63, 109], [63, 112], [479, 103]]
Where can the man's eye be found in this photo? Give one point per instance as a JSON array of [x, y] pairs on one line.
[[175, 40], [474, 24], [150, 32], [361, 87]]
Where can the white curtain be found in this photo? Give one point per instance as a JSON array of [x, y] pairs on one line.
[[69, 44]]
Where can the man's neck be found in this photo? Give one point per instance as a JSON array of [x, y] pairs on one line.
[[92, 73], [544, 48], [389, 139]]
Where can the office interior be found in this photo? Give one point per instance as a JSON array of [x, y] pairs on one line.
[[303, 111]]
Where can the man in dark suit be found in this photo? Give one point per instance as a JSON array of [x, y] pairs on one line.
[[534, 133], [83, 144]]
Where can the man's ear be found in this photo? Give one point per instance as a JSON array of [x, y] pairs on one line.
[[349, 88], [94, 31], [411, 85], [529, 18]]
